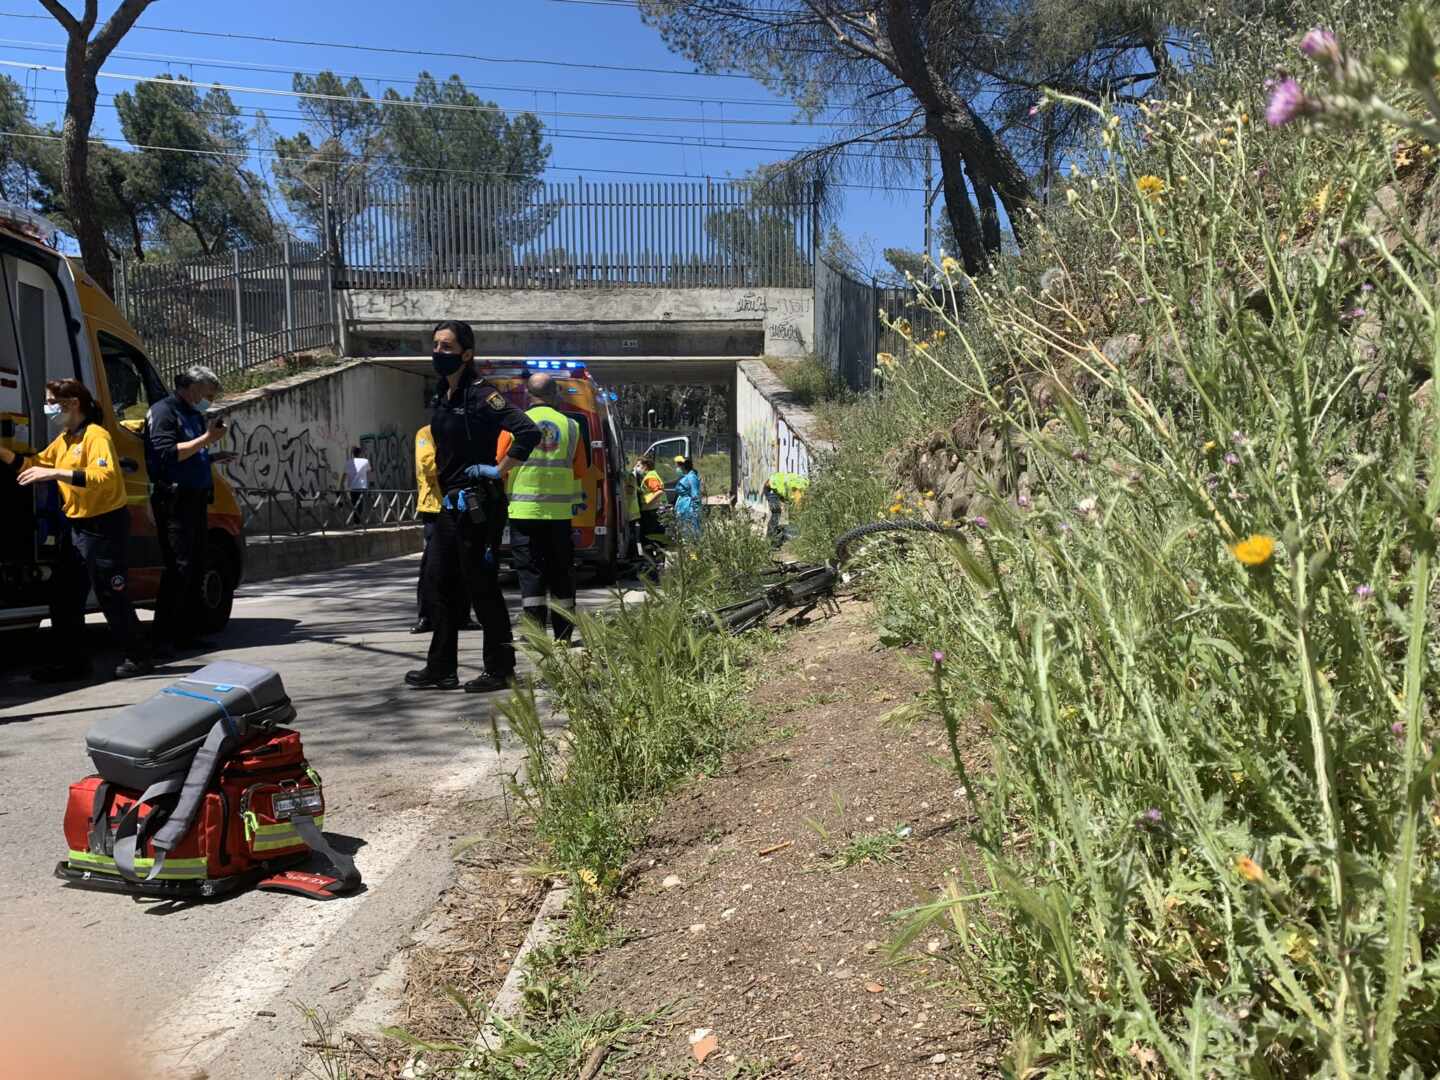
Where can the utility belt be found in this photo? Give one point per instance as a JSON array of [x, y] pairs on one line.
[[166, 491], [480, 502]]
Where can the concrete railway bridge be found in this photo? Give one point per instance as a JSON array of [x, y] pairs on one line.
[[679, 284]]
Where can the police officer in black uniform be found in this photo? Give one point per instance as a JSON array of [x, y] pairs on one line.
[[467, 417]]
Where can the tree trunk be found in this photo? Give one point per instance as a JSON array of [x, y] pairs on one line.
[[989, 218], [957, 206], [83, 59], [987, 159], [75, 178]]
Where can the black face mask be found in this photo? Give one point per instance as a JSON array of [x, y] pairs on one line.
[[446, 364]]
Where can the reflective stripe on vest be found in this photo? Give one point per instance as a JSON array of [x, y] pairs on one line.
[[652, 497], [544, 487]]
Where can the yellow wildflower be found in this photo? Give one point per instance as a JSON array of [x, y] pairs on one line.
[[1209, 445], [1152, 187], [902, 327], [1298, 945], [885, 359], [1248, 868], [940, 335], [586, 875], [929, 494], [1255, 550], [1321, 200], [949, 264]]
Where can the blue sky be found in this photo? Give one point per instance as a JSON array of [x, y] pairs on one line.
[[707, 121]]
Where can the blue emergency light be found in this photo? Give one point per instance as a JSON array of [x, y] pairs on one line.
[[556, 365]]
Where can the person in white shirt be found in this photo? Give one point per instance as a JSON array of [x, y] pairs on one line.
[[357, 482]]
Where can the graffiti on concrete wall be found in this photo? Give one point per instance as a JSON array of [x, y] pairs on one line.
[[274, 458], [790, 319], [392, 461], [793, 455], [759, 453], [768, 443]]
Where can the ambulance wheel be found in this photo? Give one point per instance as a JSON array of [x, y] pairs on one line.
[[217, 587]]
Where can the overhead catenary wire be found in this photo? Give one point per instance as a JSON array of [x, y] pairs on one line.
[[173, 59], [270, 91], [641, 138], [245, 152], [397, 51]]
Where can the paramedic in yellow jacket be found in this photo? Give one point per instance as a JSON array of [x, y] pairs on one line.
[[97, 530], [427, 509], [427, 506]]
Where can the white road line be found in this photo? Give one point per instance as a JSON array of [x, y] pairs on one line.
[[199, 1028]]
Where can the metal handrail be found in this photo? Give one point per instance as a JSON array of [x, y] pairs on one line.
[[289, 511]]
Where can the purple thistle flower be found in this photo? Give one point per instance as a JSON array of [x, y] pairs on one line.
[[1065, 527], [1238, 438], [1364, 592], [1212, 481], [1382, 395], [938, 656], [1398, 729], [1080, 455], [1287, 102], [1367, 288], [1023, 501], [1353, 314], [1320, 42], [1152, 816], [1232, 458], [980, 521]]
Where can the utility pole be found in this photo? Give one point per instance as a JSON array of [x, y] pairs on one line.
[[1049, 158], [929, 201]]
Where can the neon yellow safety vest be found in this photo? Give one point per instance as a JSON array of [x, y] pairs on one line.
[[545, 487], [652, 496]]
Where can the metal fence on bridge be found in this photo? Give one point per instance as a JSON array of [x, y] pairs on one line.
[[849, 329], [569, 235], [230, 311], [273, 512]]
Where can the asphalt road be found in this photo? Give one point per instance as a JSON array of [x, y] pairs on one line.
[[212, 989]]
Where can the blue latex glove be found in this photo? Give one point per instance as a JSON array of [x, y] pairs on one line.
[[483, 472]]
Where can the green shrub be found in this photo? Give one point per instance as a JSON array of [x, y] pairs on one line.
[[653, 697], [1204, 649], [809, 380]]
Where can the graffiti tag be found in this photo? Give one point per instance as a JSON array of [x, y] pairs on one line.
[[786, 331], [752, 301], [392, 467], [268, 458]]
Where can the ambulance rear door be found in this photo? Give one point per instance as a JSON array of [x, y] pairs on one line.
[[40, 340]]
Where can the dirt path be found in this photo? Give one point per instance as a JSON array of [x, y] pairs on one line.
[[747, 920]]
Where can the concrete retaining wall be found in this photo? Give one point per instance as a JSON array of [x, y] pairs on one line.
[[286, 556], [298, 432], [719, 322], [776, 434]]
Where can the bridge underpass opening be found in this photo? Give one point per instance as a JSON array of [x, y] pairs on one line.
[[626, 375]]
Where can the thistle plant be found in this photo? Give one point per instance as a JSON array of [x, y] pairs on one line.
[[1204, 646]]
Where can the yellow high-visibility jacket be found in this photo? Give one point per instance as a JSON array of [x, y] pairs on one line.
[[96, 486], [427, 482]]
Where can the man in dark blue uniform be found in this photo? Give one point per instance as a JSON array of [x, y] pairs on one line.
[[463, 560], [177, 435]]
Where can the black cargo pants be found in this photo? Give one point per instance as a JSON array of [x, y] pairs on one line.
[[92, 556], [462, 564], [180, 523], [544, 556]]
